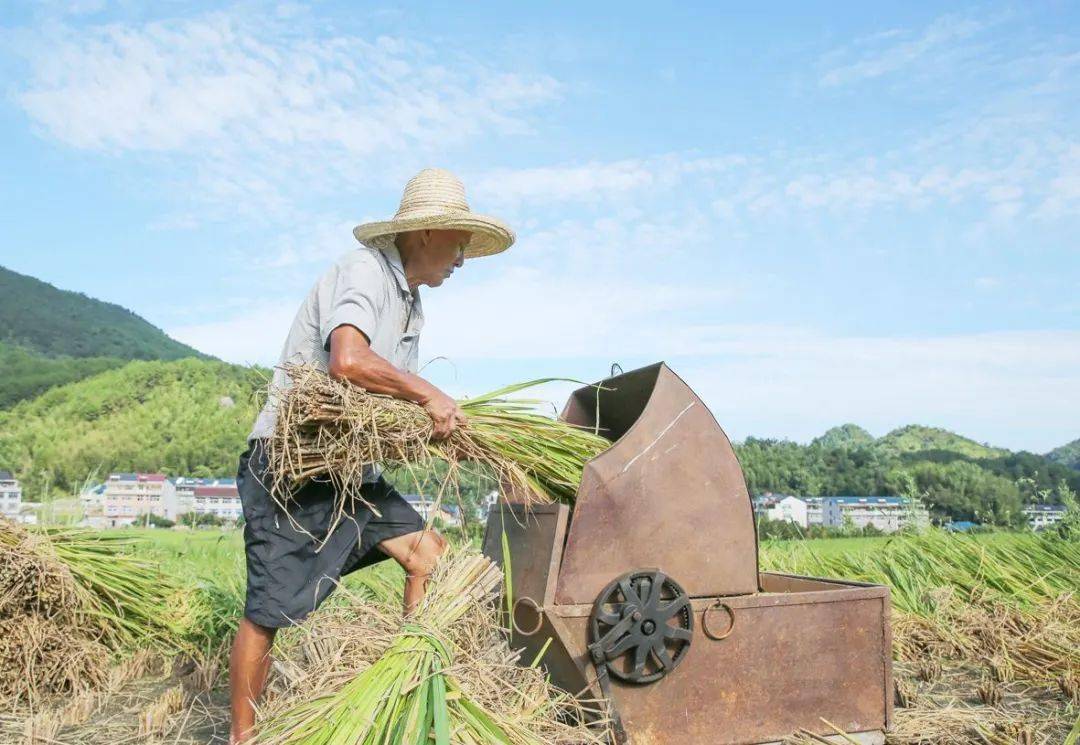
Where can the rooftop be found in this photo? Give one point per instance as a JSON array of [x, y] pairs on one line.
[[216, 491], [212, 481], [867, 500], [151, 477]]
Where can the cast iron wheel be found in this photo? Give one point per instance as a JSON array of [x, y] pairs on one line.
[[642, 623]]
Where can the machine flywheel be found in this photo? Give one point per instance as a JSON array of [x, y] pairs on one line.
[[641, 626]]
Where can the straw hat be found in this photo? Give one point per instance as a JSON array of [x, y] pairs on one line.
[[435, 199]]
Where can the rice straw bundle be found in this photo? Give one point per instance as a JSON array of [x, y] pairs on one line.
[[332, 429], [447, 675], [69, 599], [38, 655]]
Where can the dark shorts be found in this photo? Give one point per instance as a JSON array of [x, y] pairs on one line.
[[287, 578]]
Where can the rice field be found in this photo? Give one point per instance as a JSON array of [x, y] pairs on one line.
[[986, 638]]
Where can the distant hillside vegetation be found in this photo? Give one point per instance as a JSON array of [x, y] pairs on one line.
[[917, 438], [955, 476], [1066, 455], [187, 416], [52, 322], [25, 374], [846, 435]]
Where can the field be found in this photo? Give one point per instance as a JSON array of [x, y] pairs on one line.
[[987, 637]]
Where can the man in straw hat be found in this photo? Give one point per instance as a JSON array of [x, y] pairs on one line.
[[361, 322]]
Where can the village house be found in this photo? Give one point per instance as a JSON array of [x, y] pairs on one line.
[[1042, 516], [781, 508], [887, 514], [208, 496], [130, 497], [10, 495]]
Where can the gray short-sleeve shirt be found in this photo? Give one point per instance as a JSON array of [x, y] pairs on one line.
[[365, 288]]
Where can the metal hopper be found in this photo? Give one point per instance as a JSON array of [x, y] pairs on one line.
[[650, 592]]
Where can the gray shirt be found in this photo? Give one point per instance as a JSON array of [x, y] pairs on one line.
[[365, 288]]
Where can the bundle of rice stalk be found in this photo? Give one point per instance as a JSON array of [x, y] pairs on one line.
[[68, 600], [331, 429], [446, 675], [129, 599]]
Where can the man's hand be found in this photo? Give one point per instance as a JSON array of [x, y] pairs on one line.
[[445, 414]]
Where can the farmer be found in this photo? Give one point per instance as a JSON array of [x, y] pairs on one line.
[[360, 322]]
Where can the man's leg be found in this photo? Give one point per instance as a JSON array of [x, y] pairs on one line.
[[418, 553], [249, 664]]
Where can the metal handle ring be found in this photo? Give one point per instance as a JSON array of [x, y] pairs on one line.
[[539, 616], [705, 621]]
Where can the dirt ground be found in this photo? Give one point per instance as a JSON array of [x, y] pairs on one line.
[[950, 705]]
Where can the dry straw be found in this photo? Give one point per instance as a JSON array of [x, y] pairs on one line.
[[70, 600], [332, 430], [356, 675]]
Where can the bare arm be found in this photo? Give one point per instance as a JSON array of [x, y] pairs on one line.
[[352, 359]]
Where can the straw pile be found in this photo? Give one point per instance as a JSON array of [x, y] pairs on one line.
[[45, 644], [68, 600], [330, 429], [355, 674]]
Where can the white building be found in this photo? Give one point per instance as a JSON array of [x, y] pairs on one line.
[[814, 511], [487, 504], [218, 497], [781, 509], [426, 506], [130, 497], [1042, 516], [10, 496], [887, 514]]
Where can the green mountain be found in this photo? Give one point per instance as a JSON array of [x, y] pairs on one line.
[[1067, 455], [956, 477], [845, 435], [40, 318], [25, 374], [187, 417], [916, 438]]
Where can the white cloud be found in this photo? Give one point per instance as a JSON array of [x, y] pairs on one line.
[[217, 80], [595, 181], [883, 54], [1063, 195], [254, 335], [1014, 389], [264, 113]]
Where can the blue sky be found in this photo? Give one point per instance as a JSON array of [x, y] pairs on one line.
[[815, 214]]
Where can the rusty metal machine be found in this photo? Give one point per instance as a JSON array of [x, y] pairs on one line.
[[650, 592]]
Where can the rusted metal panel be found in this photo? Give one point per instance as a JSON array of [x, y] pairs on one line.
[[535, 536], [784, 666], [669, 493]]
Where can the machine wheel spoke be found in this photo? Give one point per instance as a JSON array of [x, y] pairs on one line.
[[678, 632], [660, 652]]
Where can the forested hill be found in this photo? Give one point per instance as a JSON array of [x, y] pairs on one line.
[[50, 337], [1067, 455], [957, 477], [51, 322], [183, 417]]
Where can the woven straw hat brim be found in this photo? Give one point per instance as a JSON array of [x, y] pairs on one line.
[[489, 235]]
